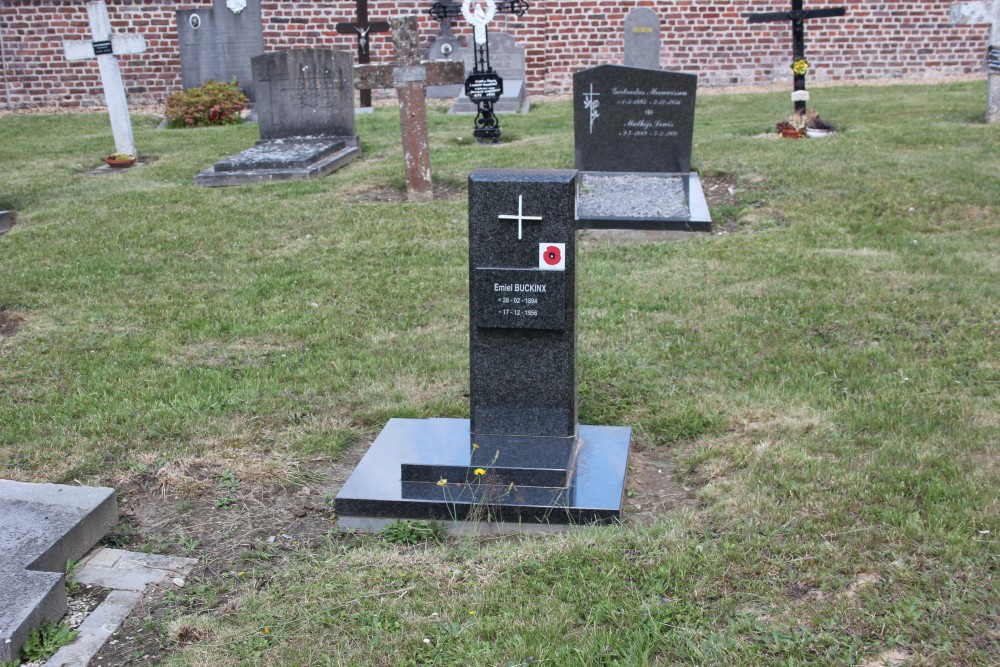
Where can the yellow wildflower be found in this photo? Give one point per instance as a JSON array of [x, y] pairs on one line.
[[442, 482], [479, 472]]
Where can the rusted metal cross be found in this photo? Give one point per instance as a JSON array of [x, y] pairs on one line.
[[362, 27], [410, 75], [798, 18]]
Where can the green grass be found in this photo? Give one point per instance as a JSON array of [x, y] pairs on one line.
[[825, 377]]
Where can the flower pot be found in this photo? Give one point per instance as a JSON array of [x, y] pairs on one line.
[[791, 134], [115, 163], [813, 133]]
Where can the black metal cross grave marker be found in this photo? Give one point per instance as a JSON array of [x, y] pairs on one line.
[[484, 86], [362, 28], [798, 18]]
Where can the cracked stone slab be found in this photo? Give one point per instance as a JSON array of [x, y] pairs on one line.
[[42, 526]]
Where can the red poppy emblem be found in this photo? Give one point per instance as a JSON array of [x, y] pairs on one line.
[[552, 255]]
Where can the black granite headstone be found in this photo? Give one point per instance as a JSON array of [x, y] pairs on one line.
[[523, 317], [633, 129], [522, 457], [305, 93], [217, 44], [633, 119]]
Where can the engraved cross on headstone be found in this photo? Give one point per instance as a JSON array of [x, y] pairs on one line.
[[409, 75], [520, 217], [798, 18], [985, 12], [104, 47], [362, 27]]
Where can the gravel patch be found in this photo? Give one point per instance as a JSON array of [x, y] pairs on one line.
[[633, 195]]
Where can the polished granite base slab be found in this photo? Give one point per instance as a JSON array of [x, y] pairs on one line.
[[376, 489], [692, 215]]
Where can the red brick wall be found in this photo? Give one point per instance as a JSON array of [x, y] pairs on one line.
[[707, 37]]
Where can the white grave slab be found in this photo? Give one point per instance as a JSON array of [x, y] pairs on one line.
[[104, 46]]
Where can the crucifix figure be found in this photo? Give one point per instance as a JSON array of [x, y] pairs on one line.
[[520, 217], [798, 18], [104, 47], [987, 11], [409, 75], [362, 27], [484, 86]]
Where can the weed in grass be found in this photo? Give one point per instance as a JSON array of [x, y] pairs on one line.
[[411, 532], [46, 639], [187, 543]]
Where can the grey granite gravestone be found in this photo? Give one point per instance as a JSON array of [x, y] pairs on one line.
[[642, 38], [445, 47], [633, 130], [305, 93], [507, 59], [43, 527], [217, 44], [305, 108], [522, 458]]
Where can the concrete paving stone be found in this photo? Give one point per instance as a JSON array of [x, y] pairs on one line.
[[129, 570], [42, 526]]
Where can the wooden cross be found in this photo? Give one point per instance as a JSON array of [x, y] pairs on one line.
[[362, 27], [798, 18], [985, 12], [104, 47], [409, 75]]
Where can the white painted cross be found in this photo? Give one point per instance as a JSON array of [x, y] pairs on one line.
[[520, 217], [104, 47], [984, 11]]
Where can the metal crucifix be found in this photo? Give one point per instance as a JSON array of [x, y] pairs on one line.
[[798, 18], [484, 86], [362, 27]]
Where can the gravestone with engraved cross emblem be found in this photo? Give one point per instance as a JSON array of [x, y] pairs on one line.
[[104, 47], [522, 458], [633, 133], [985, 12]]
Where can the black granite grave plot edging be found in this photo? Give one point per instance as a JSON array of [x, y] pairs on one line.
[[699, 219], [375, 489]]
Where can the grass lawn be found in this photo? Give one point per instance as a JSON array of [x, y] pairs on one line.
[[820, 384]]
